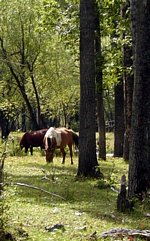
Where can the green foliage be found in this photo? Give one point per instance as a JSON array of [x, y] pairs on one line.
[[13, 148], [9, 96], [31, 35], [102, 184], [45, 34], [115, 33]]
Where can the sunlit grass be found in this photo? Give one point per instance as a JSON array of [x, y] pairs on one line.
[[82, 207], [87, 207]]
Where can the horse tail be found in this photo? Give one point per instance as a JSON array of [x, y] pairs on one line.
[[75, 139]]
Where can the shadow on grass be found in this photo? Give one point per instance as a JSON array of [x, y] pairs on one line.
[[79, 194]]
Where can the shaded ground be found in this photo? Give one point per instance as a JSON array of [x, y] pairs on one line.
[[89, 206]]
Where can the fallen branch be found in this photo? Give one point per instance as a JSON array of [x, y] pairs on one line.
[[126, 232], [38, 188]]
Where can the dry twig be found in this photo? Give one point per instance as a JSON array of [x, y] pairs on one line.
[[38, 188]]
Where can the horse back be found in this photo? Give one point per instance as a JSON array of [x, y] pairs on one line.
[[68, 137], [36, 137], [33, 138]]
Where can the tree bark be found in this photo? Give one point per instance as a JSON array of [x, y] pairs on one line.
[[128, 82], [139, 158], [99, 87], [4, 123], [31, 71], [2, 159], [87, 140], [119, 119]]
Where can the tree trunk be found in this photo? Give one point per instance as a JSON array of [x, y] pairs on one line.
[[99, 87], [23, 119], [4, 123], [20, 80], [139, 158], [2, 233], [128, 81], [28, 104], [119, 120], [31, 70], [87, 140]]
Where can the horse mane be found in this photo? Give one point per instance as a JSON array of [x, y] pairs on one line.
[[48, 142], [52, 133]]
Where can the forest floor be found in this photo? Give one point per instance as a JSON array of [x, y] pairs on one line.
[[45, 202]]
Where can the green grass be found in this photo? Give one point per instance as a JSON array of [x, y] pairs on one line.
[[89, 205]]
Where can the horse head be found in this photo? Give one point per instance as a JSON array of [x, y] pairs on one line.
[[21, 146], [49, 150], [23, 141]]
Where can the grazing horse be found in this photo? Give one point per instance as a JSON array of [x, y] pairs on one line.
[[32, 139], [59, 138]]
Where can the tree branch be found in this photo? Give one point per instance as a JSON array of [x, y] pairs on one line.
[[126, 232], [38, 188]]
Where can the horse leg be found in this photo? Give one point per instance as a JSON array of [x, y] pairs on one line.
[[70, 148], [31, 150], [26, 150], [64, 155]]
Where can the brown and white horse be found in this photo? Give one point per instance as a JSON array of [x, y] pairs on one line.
[[59, 138]]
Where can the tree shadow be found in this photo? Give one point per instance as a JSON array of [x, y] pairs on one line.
[[79, 194]]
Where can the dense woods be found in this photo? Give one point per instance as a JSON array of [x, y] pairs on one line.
[[83, 65]]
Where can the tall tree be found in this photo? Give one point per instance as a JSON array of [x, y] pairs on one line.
[[119, 88], [99, 86], [87, 142], [129, 84], [139, 158], [119, 119], [127, 76]]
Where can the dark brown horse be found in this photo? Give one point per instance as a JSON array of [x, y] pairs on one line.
[[32, 139], [59, 138]]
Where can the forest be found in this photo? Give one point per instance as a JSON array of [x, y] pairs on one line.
[[83, 65]]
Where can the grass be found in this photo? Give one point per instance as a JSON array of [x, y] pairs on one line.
[[89, 205]]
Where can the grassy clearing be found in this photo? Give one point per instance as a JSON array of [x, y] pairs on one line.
[[89, 205]]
